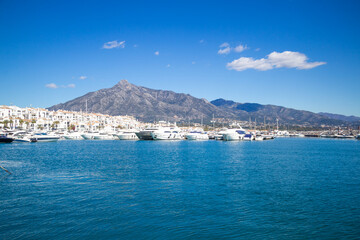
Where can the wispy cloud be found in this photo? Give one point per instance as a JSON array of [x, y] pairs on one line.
[[286, 59], [240, 48], [193, 62], [83, 77], [114, 44], [202, 41], [51, 85], [157, 53], [224, 48], [168, 65]]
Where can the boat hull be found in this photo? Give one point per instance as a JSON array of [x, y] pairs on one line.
[[127, 136], [144, 135]]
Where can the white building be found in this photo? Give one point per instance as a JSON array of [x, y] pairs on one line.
[[13, 117]]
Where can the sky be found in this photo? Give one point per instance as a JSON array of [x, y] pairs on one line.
[[298, 54]]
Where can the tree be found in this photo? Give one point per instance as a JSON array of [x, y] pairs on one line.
[[6, 122]]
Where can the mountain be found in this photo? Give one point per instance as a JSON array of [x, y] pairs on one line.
[[341, 117], [270, 113], [150, 105], [144, 103]]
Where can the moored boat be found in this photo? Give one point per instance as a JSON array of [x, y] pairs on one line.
[[146, 134], [234, 134], [44, 138], [167, 133], [196, 135], [127, 135], [5, 139]]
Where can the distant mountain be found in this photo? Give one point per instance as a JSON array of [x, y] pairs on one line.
[[341, 117], [150, 105], [144, 103], [270, 113]]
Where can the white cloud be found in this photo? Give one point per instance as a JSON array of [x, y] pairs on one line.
[[157, 53], [51, 85], [257, 49], [224, 48], [225, 44], [135, 46], [286, 59], [168, 65], [202, 41], [114, 44], [83, 77], [193, 62], [240, 48]]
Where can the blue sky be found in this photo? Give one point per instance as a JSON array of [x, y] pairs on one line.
[[298, 54]]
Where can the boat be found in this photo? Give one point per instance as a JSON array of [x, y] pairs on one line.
[[248, 137], [73, 136], [128, 135], [167, 133], [345, 136], [196, 135], [358, 137], [146, 133], [104, 136], [234, 134], [19, 136], [259, 138], [44, 138], [89, 135], [5, 139]]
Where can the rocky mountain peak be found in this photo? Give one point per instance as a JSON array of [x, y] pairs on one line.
[[124, 84]]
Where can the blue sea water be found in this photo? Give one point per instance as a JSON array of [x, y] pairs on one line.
[[280, 189]]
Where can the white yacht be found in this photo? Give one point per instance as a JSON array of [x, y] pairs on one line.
[[167, 133], [89, 135], [21, 136], [196, 135], [44, 138], [73, 136], [128, 135], [358, 137], [235, 134], [104, 136]]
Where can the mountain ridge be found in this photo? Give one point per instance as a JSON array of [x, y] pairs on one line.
[[148, 104]]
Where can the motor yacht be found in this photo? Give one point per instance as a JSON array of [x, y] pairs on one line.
[[104, 136], [5, 139], [234, 134], [128, 135], [196, 135], [167, 133], [73, 136], [248, 137], [44, 138], [146, 133]]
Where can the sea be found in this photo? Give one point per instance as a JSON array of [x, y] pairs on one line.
[[287, 188]]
